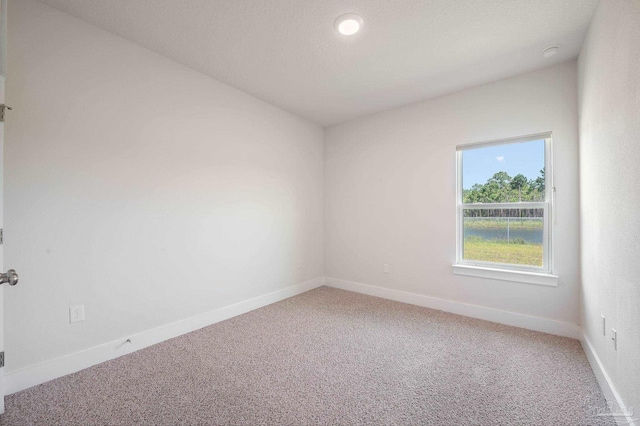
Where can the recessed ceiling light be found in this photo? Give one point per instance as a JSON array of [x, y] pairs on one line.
[[348, 24], [550, 51]]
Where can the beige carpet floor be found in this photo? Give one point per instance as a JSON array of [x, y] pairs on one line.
[[330, 357]]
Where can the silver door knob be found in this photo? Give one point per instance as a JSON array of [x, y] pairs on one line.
[[10, 277]]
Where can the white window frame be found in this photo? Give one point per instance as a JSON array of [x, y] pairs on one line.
[[511, 272]]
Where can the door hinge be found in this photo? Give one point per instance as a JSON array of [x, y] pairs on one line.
[[1, 359], [1, 236], [3, 107]]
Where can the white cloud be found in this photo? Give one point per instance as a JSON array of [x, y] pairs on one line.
[[500, 159]]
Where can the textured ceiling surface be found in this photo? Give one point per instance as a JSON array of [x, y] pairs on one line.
[[287, 52]]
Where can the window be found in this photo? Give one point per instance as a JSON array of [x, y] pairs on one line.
[[504, 205]]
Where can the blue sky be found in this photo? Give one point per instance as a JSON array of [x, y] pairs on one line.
[[480, 164]]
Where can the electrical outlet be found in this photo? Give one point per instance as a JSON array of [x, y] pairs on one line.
[[615, 339], [386, 268], [604, 327], [76, 313]]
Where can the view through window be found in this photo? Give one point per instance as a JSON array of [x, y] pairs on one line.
[[503, 204]]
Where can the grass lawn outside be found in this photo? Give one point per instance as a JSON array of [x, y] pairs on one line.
[[500, 223], [502, 252]]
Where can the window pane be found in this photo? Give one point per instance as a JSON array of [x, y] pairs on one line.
[[504, 173], [512, 236]]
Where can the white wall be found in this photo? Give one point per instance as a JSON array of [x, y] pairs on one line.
[[609, 67], [142, 189], [390, 191]]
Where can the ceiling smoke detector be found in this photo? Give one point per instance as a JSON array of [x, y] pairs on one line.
[[550, 51], [348, 24]]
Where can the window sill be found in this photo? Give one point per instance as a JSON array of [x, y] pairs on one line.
[[506, 275]]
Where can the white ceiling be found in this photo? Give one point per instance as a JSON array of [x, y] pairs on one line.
[[287, 52]]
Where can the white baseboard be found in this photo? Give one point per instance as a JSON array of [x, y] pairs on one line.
[[545, 325], [34, 375], [608, 389]]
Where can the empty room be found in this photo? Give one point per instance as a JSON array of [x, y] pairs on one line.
[[320, 212]]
